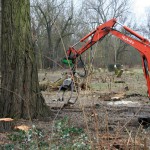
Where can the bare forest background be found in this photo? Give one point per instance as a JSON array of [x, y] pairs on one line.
[[58, 24]]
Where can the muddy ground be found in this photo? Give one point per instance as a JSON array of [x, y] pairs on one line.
[[110, 111]]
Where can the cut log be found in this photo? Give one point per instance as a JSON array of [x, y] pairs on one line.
[[50, 86], [6, 124]]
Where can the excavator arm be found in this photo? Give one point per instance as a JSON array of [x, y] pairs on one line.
[[96, 35], [137, 41]]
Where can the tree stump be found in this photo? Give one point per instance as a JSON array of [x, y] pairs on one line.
[[6, 124], [22, 127]]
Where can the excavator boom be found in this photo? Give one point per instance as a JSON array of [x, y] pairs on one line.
[[137, 41]]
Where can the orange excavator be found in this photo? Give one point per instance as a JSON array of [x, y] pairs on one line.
[[137, 41]]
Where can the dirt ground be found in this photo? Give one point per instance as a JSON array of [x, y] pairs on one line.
[[109, 112], [116, 105]]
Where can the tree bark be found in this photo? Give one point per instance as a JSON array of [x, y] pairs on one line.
[[20, 95]]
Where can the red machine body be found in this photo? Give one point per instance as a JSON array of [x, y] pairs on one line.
[[140, 43]]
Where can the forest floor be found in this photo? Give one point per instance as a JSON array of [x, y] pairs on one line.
[[110, 113]]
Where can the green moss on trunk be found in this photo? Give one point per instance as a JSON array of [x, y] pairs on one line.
[[21, 97]]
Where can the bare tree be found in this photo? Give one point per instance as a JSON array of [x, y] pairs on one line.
[[145, 27], [100, 11], [52, 16]]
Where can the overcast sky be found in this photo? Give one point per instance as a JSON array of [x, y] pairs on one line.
[[140, 6]]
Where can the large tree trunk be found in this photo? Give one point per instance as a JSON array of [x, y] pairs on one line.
[[20, 97]]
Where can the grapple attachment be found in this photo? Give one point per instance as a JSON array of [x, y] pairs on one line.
[[67, 62]]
